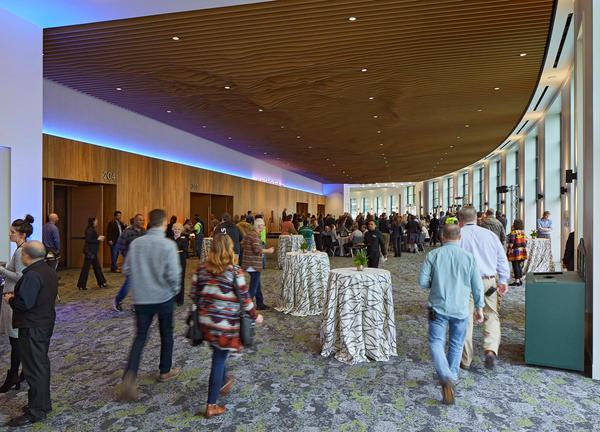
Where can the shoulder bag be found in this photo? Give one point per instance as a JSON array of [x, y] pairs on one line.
[[246, 322], [194, 332]]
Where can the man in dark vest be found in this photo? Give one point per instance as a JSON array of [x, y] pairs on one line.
[[34, 315], [374, 242]]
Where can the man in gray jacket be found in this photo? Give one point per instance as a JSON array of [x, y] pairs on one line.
[[154, 272]]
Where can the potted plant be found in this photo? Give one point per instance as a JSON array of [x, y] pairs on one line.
[[291, 231], [304, 246], [360, 260], [534, 234]]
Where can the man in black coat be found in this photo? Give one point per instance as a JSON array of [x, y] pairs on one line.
[[113, 231], [434, 228], [33, 314], [231, 229], [374, 242]]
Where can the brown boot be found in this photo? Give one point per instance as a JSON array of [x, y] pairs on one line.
[[213, 410], [167, 376], [129, 391], [448, 393], [227, 386]]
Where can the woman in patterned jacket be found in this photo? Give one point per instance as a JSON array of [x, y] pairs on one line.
[[517, 250], [219, 311]]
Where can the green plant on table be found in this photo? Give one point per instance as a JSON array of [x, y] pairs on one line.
[[534, 234], [291, 231], [360, 259], [304, 246]]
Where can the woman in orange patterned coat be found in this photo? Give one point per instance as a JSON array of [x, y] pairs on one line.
[[219, 311], [517, 250]]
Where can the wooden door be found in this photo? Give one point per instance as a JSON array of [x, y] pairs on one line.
[[220, 204], [60, 207], [301, 208], [84, 202], [321, 209], [109, 206], [200, 205]]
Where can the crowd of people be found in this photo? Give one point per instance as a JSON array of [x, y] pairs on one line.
[[466, 278]]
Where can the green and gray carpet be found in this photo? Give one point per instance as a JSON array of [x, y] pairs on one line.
[[283, 383]]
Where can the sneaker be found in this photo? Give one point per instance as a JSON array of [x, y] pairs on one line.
[[262, 307], [448, 393], [118, 306], [167, 376], [490, 360]]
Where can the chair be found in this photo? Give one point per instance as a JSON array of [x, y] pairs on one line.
[[356, 248]]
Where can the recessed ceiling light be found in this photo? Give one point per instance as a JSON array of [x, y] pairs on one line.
[[457, 137], [363, 70], [169, 111], [282, 127], [203, 126], [352, 19], [378, 131], [311, 147], [381, 144], [175, 38], [228, 137], [375, 116], [227, 87], [523, 54], [265, 153], [260, 109], [119, 89], [467, 125], [451, 146], [496, 88], [332, 164], [298, 136], [371, 98], [479, 110]]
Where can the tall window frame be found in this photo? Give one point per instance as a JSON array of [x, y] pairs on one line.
[[481, 183]]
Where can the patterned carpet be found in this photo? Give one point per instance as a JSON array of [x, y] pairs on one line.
[[284, 384]]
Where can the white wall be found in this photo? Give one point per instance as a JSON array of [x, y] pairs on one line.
[[21, 119], [4, 202], [74, 115], [335, 198]]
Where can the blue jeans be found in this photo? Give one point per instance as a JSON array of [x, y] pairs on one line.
[[255, 288], [446, 365], [114, 256], [217, 374], [144, 313], [309, 243], [199, 243], [123, 291]]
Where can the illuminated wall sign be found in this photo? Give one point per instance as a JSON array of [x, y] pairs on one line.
[[268, 180]]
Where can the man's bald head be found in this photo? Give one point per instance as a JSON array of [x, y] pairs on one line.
[[33, 251], [53, 218], [467, 214]]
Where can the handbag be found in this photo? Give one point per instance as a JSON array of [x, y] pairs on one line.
[[246, 322], [194, 332]]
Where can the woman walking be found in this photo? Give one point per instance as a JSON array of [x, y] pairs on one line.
[[20, 230], [397, 233], [517, 250], [182, 248], [215, 290], [90, 250]]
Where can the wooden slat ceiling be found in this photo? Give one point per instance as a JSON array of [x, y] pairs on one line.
[[298, 97]]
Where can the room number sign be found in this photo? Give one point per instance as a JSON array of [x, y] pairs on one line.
[[109, 175]]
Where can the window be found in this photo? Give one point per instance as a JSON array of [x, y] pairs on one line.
[[516, 167], [436, 195], [365, 206], [465, 191], [378, 206], [449, 192], [481, 203], [410, 196], [353, 211], [498, 180], [393, 204]]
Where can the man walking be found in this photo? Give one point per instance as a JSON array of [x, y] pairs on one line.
[[494, 225], [113, 231], [491, 262], [199, 235], [33, 314], [374, 242], [434, 227], [452, 276], [50, 234], [231, 229], [125, 239], [154, 272], [252, 261]]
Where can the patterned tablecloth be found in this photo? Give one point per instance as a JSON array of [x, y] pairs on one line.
[[342, 241], [358, 316], [539, 253], [206, 244], [289, 243], [303, 283]]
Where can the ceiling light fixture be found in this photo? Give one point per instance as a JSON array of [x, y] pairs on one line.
[[375, 116], [260, 109], [467, 125], [496, 88], [352, 19], [265, 153], [522, 54], [311, 147], [227, 87], [169, 111], [282, 127], [298, 136], [363, 70], [381, 144], [228, 137], [371, 98], [175, 38], [203, 126], [119, 89], [479, 110]]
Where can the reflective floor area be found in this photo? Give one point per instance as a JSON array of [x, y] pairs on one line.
[[284, 384]]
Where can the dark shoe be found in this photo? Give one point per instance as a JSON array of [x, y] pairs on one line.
[[129, 391], [118, 306], [102, 285], [227, 386], [214, 410], [22, 420], [490, 360], [12, 380], [82, 288], [448, 393], [520, 283], [512, 284], [464, 366], [262, 307]]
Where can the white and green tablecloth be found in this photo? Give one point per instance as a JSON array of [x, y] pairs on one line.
[[539, 256], [289, 243], [206, 245], [358, 316], [303, 283]]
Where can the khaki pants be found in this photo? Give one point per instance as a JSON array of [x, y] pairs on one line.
[[491, 324], [386, 241]]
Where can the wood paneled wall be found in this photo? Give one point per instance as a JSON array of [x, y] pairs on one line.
[[144, 183]]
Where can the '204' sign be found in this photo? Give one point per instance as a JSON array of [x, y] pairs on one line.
[[109, 175]]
